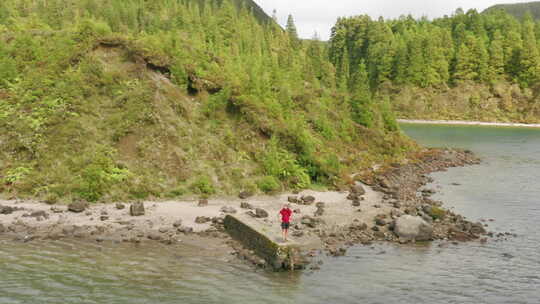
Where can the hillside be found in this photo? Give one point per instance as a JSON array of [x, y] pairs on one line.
[[518, 10], [118, 100], [467, 66]]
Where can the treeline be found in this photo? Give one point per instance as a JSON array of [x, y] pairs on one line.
[[464, 47], [254, 107], [518, 10]]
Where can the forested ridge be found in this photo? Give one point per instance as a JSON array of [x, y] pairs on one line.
[[132, 99], [518, 10], [465, 66]]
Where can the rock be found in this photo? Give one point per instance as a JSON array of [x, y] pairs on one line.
[[120, 206], [202, 219], [410, 227], [2, 228], [397, 205], [245, 205], [228, 209], [356, 203], [308, 199], [293, 199], [245, 194], [261, 213], [309, 221], [380, 222], [358, 189], [203, 203], [375, 228], [477, 228], [77, 207], [104, 217], [320, 205], [154, 236], [55, 209], [251, 213], [319, 212], [136, 209], [353, 196], [177, 224], [163, 230], [298, 233], [185, 229], [37, 214]]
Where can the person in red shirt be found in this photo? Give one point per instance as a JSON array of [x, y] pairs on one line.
[[286, 214]]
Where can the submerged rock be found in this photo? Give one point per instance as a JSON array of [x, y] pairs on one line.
[[410, 227], [203, 203], [120, 206]]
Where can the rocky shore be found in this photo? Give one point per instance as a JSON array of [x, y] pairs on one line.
[[389, 203]]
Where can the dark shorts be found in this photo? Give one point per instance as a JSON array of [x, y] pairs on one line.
[[285, 225]]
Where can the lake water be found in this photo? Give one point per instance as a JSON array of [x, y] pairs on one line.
[[505, 187]]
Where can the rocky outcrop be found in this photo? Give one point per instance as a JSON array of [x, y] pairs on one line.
[[261, 213], [412, 228]]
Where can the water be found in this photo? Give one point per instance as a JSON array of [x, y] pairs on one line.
[[504, 187]]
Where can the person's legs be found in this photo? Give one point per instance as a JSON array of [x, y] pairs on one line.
[[286, 234]]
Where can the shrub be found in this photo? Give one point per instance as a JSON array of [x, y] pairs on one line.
[[268, 184], [203, 185]]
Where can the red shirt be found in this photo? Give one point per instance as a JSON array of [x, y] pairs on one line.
[[285, 215]]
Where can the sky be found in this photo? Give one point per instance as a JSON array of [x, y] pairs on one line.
[[320, 15]]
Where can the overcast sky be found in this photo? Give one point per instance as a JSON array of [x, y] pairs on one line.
[[321, 15]]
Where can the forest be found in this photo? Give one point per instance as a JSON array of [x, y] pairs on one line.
[[476, 57]]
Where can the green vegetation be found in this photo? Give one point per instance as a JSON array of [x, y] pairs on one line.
[[107, 100], [518, 10], [465, 66]]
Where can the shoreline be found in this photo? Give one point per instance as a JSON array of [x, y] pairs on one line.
[[468, 123], [324, 222]]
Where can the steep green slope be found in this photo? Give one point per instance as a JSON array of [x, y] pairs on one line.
[[466, 66], [122, 99], [518, 10]]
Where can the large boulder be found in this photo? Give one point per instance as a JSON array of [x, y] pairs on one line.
[[136, 209], [77, 207], [414, 228]]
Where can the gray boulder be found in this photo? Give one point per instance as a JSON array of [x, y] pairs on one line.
[[261, 213], [413, 228], [136, 209], [77, 207]]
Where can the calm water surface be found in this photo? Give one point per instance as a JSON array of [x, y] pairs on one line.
[[505, 188]]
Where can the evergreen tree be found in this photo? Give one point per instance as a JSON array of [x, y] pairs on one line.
[[292, 32], [530, 57], [360, 102]]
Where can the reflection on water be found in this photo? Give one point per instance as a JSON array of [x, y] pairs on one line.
[[505, 188]]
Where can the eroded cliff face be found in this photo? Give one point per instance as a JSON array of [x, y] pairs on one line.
[[499, 102]]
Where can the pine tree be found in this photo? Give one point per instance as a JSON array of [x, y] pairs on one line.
[[496, 56], [530, 57], [292, 32], [360, 102]]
